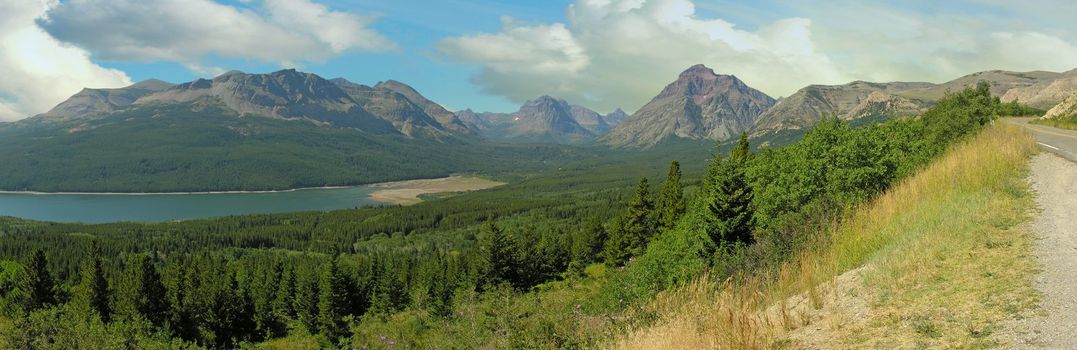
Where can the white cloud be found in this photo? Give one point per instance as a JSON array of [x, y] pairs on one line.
[[621, 52], [38, 71], [187, 31]]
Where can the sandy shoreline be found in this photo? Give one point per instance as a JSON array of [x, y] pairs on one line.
[[408, 192]]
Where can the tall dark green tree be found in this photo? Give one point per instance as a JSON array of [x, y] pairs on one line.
[[93, 292], [635, 229], [729, 197], [151, 297], [670, 204], [306, 301], [40, 286], [496, 259], [588, 244], [333, 302]]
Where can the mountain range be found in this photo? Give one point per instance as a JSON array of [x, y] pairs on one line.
[[290, 129]]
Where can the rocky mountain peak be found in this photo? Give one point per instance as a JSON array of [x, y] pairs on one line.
[[699, 104]]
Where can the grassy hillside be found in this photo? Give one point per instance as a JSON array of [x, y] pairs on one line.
[[938, 261]]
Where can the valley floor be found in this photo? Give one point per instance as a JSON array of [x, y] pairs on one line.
[[1055, 182]]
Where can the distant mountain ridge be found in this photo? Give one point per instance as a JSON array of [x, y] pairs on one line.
[[543, 119], [855, 100], [390, 107]]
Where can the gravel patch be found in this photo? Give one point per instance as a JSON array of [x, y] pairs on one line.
[[1054, 326]]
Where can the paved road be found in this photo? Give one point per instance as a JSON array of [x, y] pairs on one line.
[[1058, 141]]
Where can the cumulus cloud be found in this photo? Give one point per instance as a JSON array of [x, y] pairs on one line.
[[187, 31], [38, 71], [614, 53]]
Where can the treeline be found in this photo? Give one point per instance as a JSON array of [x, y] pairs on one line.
[[425, 270]]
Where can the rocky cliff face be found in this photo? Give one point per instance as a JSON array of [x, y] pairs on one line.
[[1067, 109], [700, 104]]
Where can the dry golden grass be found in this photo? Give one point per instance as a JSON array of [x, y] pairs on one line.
[[939, 260]]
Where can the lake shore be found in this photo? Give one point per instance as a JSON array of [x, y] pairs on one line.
[[407, 192], [40, 193]]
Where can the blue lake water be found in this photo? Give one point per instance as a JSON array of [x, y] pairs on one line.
[[98, 208]]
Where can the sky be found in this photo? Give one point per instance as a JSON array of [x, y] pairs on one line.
[[493, 55]]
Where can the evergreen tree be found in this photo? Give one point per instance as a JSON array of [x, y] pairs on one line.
[[267, 317], [639, 225], [93, 289], [284, 302], [39, 283], [151, 297], [496, 261], [671, 204], [729, 197], [306, 302], [333, 302], [588, 245]]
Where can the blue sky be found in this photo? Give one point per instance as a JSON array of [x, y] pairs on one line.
[[493, 55]]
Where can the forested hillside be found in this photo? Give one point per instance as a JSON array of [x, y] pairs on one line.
[[568, 259]]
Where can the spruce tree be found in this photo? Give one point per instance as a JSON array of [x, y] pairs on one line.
[[729, 197], [496, 259], [638, 225], [93, 289], [333, 302], [588, 245], [306, 302], [151, 297], [40, 286], [670, 204]]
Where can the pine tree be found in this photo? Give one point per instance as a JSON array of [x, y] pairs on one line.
[[496, 261], [588, 245], [729, 197], [93, 289], [639, 225], [283, 304], [306, 302], [151, 298], [333, 302], [39, 283], [670, 204]]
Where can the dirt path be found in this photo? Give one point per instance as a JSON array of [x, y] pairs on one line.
[[1055, 326]]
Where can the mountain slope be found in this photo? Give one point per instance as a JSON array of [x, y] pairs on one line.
[[448, 120], [407, 117], [851, 101], [243, 131], [285, 94], [1044, 94], [698, 105], [90, 102], [1001, 81]]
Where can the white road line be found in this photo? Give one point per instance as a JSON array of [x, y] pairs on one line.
[[1048, 146]]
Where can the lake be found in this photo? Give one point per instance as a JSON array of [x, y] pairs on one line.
[[99, 208]]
